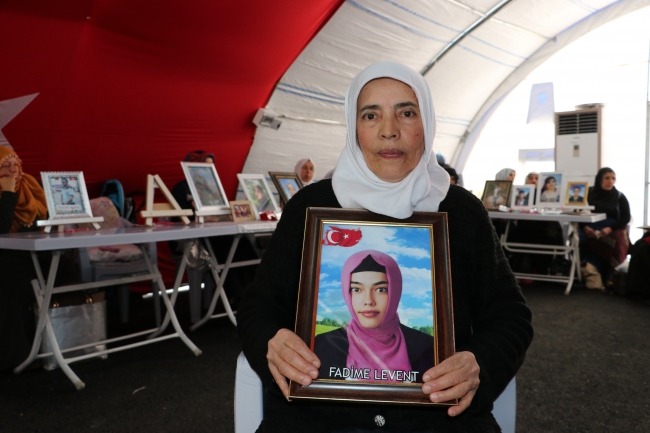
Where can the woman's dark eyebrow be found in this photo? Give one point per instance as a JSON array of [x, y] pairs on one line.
[[380, 282], [369, 107], [406, 104]]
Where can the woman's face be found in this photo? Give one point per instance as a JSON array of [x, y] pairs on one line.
[[10, 168], [550, 184], [532, 179], [369, 294], [512, 175], [258, 192], [609, 179], [307, 172], [389, 128]]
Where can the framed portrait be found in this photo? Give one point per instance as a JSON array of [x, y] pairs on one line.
[[257, 191], [496, 193], [576, 193], [66, 194], [242, 210], [207, 191], [287, 184], [374, 304], [523, 197], [550, 190]]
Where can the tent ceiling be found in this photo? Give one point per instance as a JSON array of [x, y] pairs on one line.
[[414, 32]]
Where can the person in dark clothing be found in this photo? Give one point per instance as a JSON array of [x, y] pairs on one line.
[[237, 278], [22, 203], [605, 243], [387, 167], [374, 338]]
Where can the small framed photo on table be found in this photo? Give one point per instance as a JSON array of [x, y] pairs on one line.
[[66, 194], [242, 210], [207, 191], [496, 193], [576, 193], [550, 189], [523, 197], [374, 304], [287, 184], [257, 191]]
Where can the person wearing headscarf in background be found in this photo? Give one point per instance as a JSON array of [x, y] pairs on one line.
[[22, 203], [388, 167], [305, 170], [237, 278], [605, 243], [453, 175], [506, 174], [374, 339]]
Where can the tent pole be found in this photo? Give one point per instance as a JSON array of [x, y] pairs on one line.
[[646, 179]]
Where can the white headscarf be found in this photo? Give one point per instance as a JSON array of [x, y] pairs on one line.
[[298, 170], [503, 174], [356, 186]]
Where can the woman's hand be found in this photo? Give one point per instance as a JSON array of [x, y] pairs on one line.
[[606, 231], [290, 358], [455, 377], [8, 183], [591, 233]]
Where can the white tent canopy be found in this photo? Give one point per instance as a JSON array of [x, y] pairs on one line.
[[474, 73]]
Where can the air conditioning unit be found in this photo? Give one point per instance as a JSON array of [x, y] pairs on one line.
[[577, 142]]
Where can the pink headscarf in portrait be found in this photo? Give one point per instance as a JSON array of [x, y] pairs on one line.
[[384, 347]]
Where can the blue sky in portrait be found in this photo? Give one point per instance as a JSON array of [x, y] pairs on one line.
[[411, 249]]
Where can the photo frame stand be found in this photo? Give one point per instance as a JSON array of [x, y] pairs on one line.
[[200, 215], [48, 224], [160, 210]]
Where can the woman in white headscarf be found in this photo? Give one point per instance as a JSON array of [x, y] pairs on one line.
[[305, 170], [506, 174], [388, 167]]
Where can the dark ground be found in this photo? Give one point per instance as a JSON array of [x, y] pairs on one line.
[[586, 371]]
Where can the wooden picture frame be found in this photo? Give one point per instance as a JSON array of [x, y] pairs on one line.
[[523, 197], [242, 210], [576, 193], [496, 193], [207, 192], [66, 195], [550, 190], [336, 239], [257, 191], [287, 184]]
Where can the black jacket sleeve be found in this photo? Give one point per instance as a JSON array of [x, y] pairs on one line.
[[501, 328], [624, 215], [8, 202]]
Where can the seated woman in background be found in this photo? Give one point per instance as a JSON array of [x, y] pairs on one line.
[[506, 174], [22, 203], [305, 170], [605, 243]]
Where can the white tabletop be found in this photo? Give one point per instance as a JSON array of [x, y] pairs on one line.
[[39, 241], [561, 218]]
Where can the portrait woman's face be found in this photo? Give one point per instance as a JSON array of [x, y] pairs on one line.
[[258, 192], [307, 172], [532, 179], [389, 128], [369, 294], [609, 179], [550, 183], [10, 168]]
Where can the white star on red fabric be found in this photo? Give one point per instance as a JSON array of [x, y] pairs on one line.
[[10, 109], [346, 236]]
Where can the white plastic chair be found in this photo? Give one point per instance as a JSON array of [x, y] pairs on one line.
[[249, 409]]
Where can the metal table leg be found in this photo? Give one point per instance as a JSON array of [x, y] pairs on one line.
[[219, 280]]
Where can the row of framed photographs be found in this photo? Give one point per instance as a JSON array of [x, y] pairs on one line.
[[553, 190], [67, 196]]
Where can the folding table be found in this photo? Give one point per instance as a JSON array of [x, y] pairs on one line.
[[56, 242], [572, 249]]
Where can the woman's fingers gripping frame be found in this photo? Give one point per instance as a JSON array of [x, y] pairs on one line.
[[290, 358], [455, 377]]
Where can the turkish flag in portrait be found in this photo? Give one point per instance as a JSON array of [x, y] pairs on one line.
[[336, 236]]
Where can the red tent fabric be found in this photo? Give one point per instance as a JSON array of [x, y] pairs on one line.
[[128, 88]]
